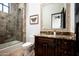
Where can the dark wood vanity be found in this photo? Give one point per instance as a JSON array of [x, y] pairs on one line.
[[50, 45]]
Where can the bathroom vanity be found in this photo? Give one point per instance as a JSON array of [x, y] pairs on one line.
[[61, 43], [54, 45]]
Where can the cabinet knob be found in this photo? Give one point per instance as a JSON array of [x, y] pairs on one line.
[[65, 42], [65, 51], [45, 45]]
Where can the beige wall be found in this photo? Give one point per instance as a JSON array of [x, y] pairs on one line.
[[3, 22], [22, 6], [31, 30]]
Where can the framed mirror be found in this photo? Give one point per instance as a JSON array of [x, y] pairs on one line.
[[53, 15]]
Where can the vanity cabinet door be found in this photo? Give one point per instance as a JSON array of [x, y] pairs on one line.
[[64, 47], [58, 51], [44, 47], [68, 47]]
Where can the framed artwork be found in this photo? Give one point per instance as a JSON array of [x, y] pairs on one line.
[[56, 20], [34, 19]]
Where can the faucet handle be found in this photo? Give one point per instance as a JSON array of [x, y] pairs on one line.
[[54, 33]]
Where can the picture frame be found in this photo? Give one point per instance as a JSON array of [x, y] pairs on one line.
[[34, 19], [56, 20]]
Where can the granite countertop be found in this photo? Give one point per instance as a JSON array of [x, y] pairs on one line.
[[58, 36]]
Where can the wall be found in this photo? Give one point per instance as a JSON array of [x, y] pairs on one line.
[[21, 15], [31, 30], [9, 25], [3, 22], [22, 6], [72, 18]]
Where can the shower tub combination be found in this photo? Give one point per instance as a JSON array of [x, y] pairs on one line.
[[11, 29]]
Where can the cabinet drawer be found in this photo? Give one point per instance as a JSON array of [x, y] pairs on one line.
[[46, 39]]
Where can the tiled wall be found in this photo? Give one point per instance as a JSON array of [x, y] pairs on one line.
[[3, 22], [13, 25]]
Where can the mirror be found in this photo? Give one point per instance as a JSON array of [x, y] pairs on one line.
[[53, 15]]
